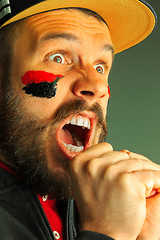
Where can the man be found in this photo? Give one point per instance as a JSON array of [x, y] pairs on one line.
[[54, 68]]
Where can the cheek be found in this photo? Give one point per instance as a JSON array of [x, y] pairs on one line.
[[40, 83]]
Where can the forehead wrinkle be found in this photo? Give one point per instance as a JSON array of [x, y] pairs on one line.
[[88, 22], [60, 23], [57, 15]]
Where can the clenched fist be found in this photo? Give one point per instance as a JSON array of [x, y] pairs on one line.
[[115, 192]]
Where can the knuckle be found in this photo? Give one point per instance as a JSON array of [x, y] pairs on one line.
[[125, 150], [125, 180], [92, 166], [75, 164], [108, 146], [111, 171]]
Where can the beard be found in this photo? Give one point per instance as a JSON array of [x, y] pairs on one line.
[[23, 141]]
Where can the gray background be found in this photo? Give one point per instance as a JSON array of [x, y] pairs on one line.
[[134, 108]]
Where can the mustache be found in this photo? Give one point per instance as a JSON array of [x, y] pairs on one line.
[[76, 107]]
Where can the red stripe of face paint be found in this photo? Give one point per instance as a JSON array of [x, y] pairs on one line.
[[39, 77], [109, 92]]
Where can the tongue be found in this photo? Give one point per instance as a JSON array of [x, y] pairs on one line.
[[66, 136]]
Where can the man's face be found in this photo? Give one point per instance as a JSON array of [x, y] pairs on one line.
[[44, 132]]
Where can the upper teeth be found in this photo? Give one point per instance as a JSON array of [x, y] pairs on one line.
[[80, 121]]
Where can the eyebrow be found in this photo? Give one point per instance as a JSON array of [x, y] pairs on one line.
[[52, 36], [108, 47]]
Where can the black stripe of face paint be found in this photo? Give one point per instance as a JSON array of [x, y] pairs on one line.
[[41, 90]]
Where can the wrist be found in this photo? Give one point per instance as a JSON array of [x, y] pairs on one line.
[[105, 232]]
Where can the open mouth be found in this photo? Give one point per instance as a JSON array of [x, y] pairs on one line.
[[74, 134]]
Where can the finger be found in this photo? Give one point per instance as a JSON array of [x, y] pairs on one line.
[[96, 166], [131, 165], [134, 155], [150, 180], [93, 152], [95, 162], [139, 156]]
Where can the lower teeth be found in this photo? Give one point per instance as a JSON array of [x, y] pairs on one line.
[[73, 148]]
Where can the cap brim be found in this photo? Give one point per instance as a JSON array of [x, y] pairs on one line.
[[129, 21]]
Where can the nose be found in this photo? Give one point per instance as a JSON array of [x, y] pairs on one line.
[[90, 87]]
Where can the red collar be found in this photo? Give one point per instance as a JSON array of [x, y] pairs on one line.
[[8, 169]]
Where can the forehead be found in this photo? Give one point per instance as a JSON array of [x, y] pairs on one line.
[[72, 21]]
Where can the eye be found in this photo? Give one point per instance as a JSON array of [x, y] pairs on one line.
[[100, 68], [57, 58]]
